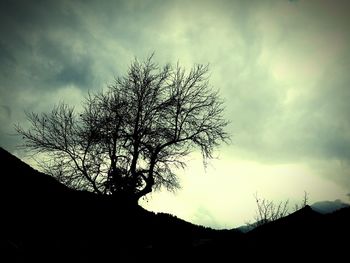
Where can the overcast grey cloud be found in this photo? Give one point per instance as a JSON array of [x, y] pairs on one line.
[[282, 67]]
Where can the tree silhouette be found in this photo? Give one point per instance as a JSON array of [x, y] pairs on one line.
[[128, 139], [268, 211]]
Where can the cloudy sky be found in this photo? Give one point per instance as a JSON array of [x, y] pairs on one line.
[[281, 66]]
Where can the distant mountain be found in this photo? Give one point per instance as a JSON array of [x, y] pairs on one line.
[[245, 228], [325, 207]]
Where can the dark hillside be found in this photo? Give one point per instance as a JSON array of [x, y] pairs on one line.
[[41, 214], [306, 231], [41, 217]]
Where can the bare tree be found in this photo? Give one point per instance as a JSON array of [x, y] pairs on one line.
[[128, 140], [268, 211], [304, 202]]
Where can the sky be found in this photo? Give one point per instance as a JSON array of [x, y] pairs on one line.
[[282, 68]]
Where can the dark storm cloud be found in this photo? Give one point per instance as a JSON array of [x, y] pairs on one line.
[[6, 139], [316, 124], [39, 56], [57, 43], [63, 66], [49, 50], [5, 111], [328, 120], [39, 39], [6, 57]]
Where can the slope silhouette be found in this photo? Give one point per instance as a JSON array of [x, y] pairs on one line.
[[305, 231], [41, 214], [41, 217]]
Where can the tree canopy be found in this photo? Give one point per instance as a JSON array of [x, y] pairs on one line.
[[128, 139]]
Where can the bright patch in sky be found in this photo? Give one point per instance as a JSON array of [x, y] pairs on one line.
[[223, 194]]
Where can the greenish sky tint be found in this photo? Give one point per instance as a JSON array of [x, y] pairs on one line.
[[282, 67]]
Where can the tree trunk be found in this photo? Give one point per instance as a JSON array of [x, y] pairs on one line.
[[147, 189]]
